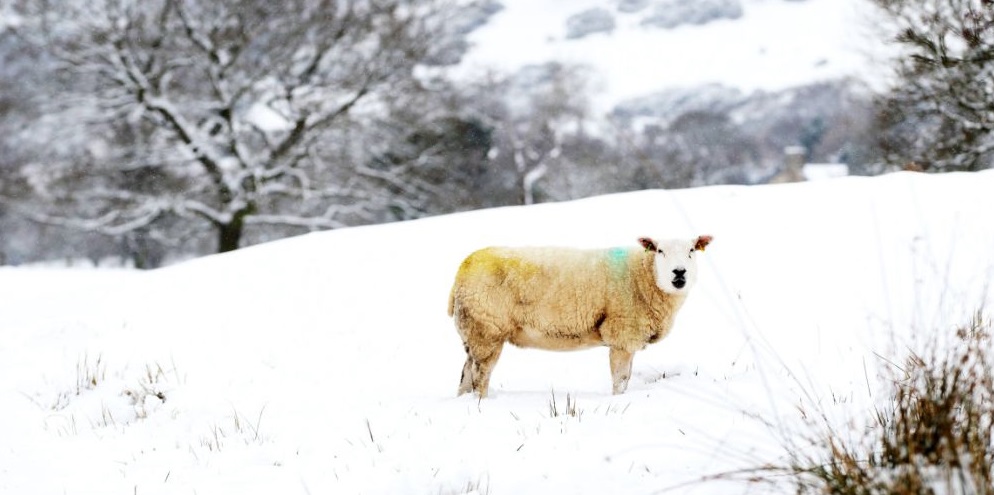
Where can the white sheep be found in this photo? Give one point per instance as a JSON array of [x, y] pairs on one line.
[[566, 299]]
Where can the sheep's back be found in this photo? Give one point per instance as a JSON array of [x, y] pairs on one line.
[[543, 286]]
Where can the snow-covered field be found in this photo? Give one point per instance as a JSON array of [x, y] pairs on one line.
[[774, 45], [326, 363]]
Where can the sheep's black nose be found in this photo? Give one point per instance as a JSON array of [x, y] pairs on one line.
[[679, 272]]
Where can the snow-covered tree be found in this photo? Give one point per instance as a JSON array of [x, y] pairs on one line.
[[431, 157], [541, 107], [168, 116], [940, 114]]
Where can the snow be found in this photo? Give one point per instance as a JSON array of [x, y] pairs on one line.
[[775, 45], [822, 171], [325, 363], [266, 119]]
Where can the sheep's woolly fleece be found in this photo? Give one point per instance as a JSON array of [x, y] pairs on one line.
[[563, 299]]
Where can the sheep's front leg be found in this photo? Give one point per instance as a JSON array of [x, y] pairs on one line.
[[621, 369]]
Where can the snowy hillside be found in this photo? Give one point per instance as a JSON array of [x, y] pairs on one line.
[[326, 364], [636, 48]]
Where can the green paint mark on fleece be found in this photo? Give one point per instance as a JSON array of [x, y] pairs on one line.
[[618, 259]]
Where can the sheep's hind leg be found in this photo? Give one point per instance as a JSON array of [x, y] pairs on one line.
[[621, 369], [466, 380], [484, 361]]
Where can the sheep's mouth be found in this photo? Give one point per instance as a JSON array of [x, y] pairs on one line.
[[679, 283]]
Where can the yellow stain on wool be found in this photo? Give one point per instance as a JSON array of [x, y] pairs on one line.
[[490, 261]]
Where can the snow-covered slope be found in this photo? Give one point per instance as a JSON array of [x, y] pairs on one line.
[[762, 45], [326, 364]]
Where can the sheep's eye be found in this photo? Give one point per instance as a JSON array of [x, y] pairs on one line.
[[660, 251]]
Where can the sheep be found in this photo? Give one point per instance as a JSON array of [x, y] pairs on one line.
[[567, 299]]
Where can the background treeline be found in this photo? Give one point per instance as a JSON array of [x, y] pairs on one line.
[[157, 130]]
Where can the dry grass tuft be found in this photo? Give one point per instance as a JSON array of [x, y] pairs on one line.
[[936, 434]]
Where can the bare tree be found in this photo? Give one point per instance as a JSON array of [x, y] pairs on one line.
[[222, 113], [541, 107], [438, 149], [940, 114]]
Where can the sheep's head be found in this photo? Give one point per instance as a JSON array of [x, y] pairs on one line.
[[676, 261]]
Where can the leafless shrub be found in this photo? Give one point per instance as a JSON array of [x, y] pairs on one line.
[[934, 435]]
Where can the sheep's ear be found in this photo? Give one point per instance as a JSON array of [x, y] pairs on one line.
[[702, 242], [648, 244]]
